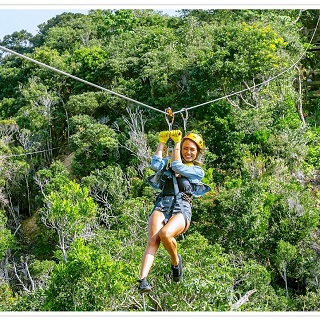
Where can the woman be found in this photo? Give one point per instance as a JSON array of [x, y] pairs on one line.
[[179, 180]]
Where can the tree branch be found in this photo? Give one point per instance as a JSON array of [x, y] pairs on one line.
[[243, 300]]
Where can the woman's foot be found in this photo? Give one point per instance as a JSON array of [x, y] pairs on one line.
[[177, 270], [144, 286]]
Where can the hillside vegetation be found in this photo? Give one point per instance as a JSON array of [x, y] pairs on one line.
[[74, 200]]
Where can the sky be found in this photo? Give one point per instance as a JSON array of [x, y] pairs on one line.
[[12, 20]]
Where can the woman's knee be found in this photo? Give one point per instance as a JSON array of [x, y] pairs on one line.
[[154, 241], [165, 235]]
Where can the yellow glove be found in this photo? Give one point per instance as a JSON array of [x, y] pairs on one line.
[[164, 136], [176, 135]]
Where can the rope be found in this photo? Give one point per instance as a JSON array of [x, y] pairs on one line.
[[168, 112], [28, 153], [152, 108], [79, 79], [262, 83]]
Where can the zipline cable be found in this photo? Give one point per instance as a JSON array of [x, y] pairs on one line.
[[27, 153], [79, 79], [145, 105]]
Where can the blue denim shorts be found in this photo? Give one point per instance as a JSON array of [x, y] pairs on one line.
[[169, 207]]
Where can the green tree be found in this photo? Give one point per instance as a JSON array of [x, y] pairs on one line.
[[8, 299], [253, 245], [85, 103], [109, 188], [19, 41], [66, 19], [71, 213], [90, 280], [94, 145], [7, 239], [284, 255]]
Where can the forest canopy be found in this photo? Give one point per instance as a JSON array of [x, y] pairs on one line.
[[74, 200]]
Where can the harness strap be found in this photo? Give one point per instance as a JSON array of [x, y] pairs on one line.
[[178, 199]]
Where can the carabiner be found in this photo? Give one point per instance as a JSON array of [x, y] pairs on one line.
[[184, 118], [169, 118]]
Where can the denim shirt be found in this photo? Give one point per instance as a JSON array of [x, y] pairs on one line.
[[193, 173]]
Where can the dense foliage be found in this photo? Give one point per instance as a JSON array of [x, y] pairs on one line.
[[74, 201]]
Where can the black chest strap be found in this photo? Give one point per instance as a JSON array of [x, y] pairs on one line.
[[178, 197]]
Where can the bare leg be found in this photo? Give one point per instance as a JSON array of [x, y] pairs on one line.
[[155, 224], [174, 227]]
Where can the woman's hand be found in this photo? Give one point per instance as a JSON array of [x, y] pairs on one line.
[[164, 136], [176, 135]]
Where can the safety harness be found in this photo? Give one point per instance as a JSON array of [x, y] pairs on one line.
[[178, 196], [158, 179]]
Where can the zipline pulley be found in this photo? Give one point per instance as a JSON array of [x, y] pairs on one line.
[[169, 117]]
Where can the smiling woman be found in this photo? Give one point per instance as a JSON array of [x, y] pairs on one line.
[[28, 19], [171, 216]]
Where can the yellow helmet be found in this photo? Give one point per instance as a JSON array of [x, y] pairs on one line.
[[195, 138]]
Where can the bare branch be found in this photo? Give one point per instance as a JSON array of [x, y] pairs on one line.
[[29, 275], [155, 302], [233, 103], [243, 299], [17, 276], [137, 144]]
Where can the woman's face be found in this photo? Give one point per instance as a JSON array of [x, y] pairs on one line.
[[189, 150]]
